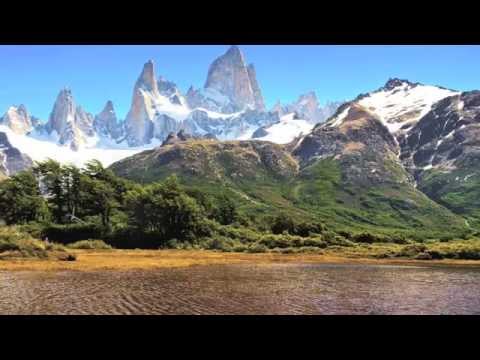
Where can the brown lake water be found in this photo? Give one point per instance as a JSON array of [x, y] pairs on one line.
[[246, 289]]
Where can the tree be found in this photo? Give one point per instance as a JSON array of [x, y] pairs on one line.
[[226, 210], [21, 200], [51, 176], [283, 223], [98, 199], [166, 209]]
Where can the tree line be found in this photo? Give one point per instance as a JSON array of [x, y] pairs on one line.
[[52, 194]]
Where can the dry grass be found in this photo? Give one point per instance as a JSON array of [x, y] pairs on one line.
[[91, 260]]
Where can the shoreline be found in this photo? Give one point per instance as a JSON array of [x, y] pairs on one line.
[[124, 260]]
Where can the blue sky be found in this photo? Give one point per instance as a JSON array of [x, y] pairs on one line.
[[33, 75]]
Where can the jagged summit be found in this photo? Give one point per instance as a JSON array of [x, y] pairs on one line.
[[17, 119], [109, 106], [69, 123], [392, 83], [307, 107], [234, 50], [106, 122], [147, 80], [231, 85]]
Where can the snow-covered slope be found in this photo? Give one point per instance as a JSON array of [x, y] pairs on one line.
[[284, 131], [40, 149], [400, 103]]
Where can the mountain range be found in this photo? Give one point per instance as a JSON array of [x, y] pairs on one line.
[[404, 157], [229, 106]]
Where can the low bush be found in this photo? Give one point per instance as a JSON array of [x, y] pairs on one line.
[[412, 250], [15, 243], [256, 248], [90, 245]]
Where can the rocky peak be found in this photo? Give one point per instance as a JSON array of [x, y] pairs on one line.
[[70, 122], [235, 53], [147, 80], [230, 76], [308, 107], [17, 119], [63, 112], [308, 102], [105, 122], [109, 107], [359, 141], [139, 124], [392, 83]]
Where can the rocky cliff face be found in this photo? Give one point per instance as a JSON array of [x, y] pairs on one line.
[[257, 93], [11, 159], [367, 151], [443, 153], [231, 86], [446, 136], [69, 123], [139, 121], [18, 120], [106, 122], [229, 75], [170, 90]]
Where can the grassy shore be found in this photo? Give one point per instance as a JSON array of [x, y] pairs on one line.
[[94, 260]]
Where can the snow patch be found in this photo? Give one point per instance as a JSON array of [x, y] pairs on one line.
[[287, 129], [40, 150], [404, 104], [337, 121]]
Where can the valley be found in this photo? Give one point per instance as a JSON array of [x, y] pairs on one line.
[[214, 168]]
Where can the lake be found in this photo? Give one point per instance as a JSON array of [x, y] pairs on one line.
[[246, 289]]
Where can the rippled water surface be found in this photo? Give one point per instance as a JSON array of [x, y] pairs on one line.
[[246, 289]]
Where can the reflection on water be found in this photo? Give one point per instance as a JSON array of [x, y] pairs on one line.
[[245, 289]]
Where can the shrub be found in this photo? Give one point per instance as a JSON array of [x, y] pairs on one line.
[[90, 245], [423, 256], [67, 257], [256, 248], [345, 234], [172, 244], [282, 223], [239, 248], [16, 243], [305, 229], [412, 250], [365, 238], [329, 236]]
